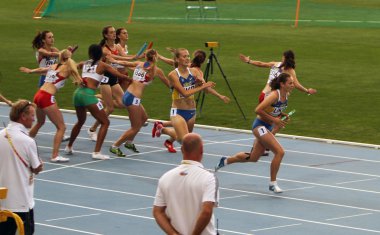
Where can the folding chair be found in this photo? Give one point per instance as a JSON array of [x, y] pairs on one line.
[[193, 5], [209, 5]]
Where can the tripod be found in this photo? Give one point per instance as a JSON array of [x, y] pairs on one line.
[[209, 67]]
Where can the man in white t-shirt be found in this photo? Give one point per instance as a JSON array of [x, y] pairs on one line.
[[187, 194], [19, 162]]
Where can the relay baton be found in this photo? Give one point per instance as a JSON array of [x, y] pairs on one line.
[[289, 114], [142, 49], [150, 45], [73, 49]]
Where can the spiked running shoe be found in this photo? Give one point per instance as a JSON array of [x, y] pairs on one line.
[[99, 156], [156, 130], [117, 151], [275, 188], [169, 146], [131, 146], [93, 135]]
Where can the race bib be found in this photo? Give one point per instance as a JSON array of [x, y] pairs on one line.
[[105, 79], [136, 101], [100, 105], [262, 130], [173, 112]]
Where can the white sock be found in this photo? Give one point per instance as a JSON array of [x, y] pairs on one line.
[[273, 183]]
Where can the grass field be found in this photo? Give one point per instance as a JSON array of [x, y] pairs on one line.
[[340, 60]]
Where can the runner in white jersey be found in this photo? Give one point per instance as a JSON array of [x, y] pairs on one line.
[[110, 89], [56, 76], [84, 99], [46, 54], [286, 65], [143, 75]]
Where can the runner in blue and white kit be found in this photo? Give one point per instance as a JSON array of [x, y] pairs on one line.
[[269, 113]]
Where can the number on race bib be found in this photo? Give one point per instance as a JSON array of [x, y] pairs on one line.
[[105, 79], [173, 112], [262, 131], [136, 101], [100, 105]]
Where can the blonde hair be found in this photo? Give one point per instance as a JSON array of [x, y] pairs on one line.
[[176, 52], [65, 58]]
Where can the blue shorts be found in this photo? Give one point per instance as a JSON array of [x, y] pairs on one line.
[[42, 80], [185, 113], [130, 99], [257, 122]]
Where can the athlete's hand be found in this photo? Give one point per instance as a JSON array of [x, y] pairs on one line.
[[280, 123], [311, 91], [25, 70], [209, 84], [244, 58]]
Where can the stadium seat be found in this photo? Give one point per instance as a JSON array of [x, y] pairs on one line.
[[193, 5], [209, 5]]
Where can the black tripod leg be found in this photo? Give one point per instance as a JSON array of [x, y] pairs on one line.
[[201, 94], [228, 84]]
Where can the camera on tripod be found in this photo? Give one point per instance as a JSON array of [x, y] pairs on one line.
[[212, 44]]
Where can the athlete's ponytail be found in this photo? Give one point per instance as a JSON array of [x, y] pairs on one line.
[[289, 60], [65, 58], [38, 42]]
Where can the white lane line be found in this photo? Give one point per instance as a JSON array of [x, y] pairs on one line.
[[233, 232], [72, 217], [269, 228], [295, 189], [96, 188], [301, 220], [301, 200], [67, 229], [94, 209], [224, 198], [355, 181], [243, 174], [350, 216], [138, 209]]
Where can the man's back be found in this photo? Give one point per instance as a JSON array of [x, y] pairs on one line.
[[183, 190]]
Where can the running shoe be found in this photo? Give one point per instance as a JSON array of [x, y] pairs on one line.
[[65, 138], [169, 146], [131, 146], [93, 135], [69, 150], [159, 129], [100, 156], [59, 159], [275, 188], [146, 124], [221, 163], [156, 130], [117, 151]]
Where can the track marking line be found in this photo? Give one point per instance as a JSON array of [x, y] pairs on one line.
[[67, 229], [350, 216], [72, 217], [269, 228]]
